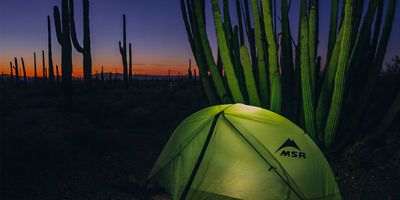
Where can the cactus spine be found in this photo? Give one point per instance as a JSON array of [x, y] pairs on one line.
[[85, 50], [50, 52], [62, 27]]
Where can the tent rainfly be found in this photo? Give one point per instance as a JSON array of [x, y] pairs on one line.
[[242, 152]]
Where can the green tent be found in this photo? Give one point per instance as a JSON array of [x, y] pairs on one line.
[[242, 152]]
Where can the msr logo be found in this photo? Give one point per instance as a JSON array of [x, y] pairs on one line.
[[290, 153]]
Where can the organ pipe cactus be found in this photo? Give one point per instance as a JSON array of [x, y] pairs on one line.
[[333, 119], [191, 26], [232, 80], [274, 74], [261, 66], [306, 85], [291, 84]]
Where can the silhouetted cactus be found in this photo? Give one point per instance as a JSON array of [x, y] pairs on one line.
[[102, 75], [24, 70], [62, 27], [34, 68], [190, 75], [57, 75], [11, 72], [50, 52], [130, 63], [85, 49], [44, 68], [122, 49], [16, 68]]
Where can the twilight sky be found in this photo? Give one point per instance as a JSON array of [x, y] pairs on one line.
[[154, 27]]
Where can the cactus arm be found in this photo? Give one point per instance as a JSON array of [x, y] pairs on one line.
[[373, 72], [332, 27], [74, 38], [377, 28], [216, 77], [287, 62], [57, 24], [261, 66], [251, 86], [327, 87], [225, 55], [313, 42], [274, 75], [332, 122], [240, 21], [307, 100], [187, 24], [197, 50]]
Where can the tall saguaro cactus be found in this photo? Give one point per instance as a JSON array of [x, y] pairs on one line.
[[50, 52], [85, 50], [62, 26], [122, 50], [11, 72]]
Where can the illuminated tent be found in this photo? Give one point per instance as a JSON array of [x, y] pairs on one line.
[[242, 152]]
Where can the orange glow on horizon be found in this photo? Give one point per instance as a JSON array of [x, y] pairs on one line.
[[137, 70]]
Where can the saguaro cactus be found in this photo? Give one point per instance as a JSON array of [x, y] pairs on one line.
[[23, 70], [62, 27], [11, 72], [16, 68], [34, 68], [85, 49], [50, 52], [44, 68], [122, 50]]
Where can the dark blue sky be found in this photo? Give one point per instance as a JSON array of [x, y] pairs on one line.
[[154, 26]]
